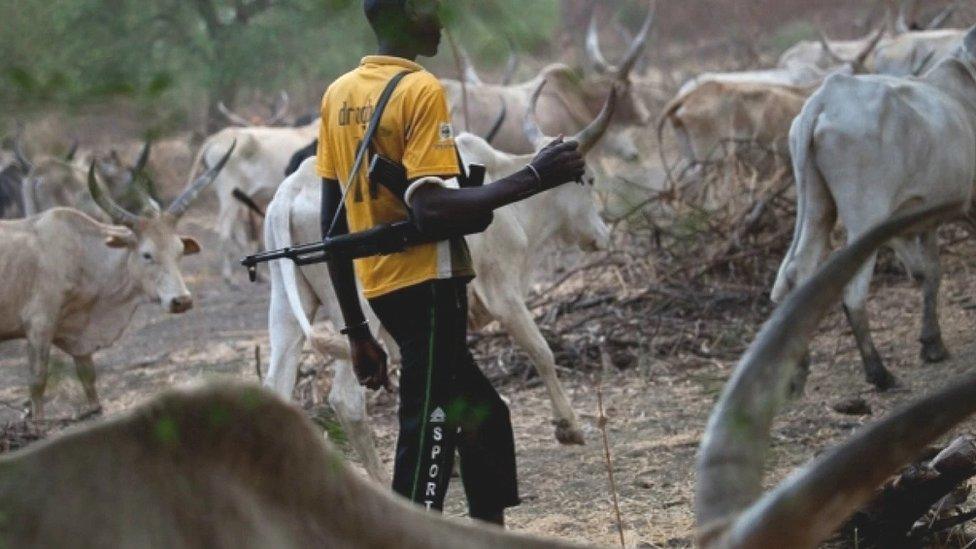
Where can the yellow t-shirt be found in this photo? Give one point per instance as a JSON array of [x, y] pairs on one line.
[[416, 131]]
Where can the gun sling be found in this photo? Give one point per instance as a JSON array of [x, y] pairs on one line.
[[383, 239]]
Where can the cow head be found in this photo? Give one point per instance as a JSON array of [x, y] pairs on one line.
[[130, 185], [278, 112], [575, 219], [153, 244], [631, 109]]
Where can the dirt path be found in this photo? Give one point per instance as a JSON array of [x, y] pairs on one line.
[[657, 410]]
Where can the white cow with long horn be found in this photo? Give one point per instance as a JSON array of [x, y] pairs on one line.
[[502, 258], [73, 282], [866, 147]]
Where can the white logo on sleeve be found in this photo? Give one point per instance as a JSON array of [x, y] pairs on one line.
[[447, 131], [438, 416]]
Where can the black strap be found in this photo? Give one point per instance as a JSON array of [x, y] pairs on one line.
[[374, 123]]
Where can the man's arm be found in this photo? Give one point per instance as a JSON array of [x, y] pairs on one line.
[[559, 162], [368, 358]]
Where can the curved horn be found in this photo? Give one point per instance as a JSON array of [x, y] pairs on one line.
[[905, 10], [807, 506], [593, 53], [143, 158], [827, 48], [231, 116], [497, 126], [529, 124], [462, 77], [512, 65], [116, 213], [637, 46], [862, 56], [470, 73], [72, 150], [182, 202], [25, 164], [280, 109], [588, 136], [940, 20]]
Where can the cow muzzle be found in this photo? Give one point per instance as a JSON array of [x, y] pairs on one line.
[[181, 304]]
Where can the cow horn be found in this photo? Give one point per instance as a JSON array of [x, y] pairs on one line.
[[530, 125], [497, 126], [593, 52], [116, 213], [637, 46], [728, 506], [828, 49], [182, 202], [143, 158], [462, 77], [859, 60], [470, 74], [280, 109], [72, 150], [905, 11], [588, 136], [942, 18], [917, 71], [512, 65], [25, 164], [231, 116]]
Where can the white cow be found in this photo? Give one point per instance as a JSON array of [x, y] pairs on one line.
[[256, 169], [75, 283], [502, 258], [866, 147], [571, 99]]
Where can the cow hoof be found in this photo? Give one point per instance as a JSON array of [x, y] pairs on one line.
[[882, 379], [568, 435], [89, 412], [934, 351]]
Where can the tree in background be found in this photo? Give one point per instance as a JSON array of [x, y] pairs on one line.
[[177, 58]]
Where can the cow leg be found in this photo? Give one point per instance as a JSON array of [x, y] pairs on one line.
[[38, 356], [933, 348], [286, 338], [510, 311], [85, 369], [855, 300], [227, 218], [348, 399], [920, 256]]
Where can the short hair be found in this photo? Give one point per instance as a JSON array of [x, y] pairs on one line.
[[376, 8]]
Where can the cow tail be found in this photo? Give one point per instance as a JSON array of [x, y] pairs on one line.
[[805, 174], [284, 273]]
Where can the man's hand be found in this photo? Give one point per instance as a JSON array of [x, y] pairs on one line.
[[369, 361], [559, 162]]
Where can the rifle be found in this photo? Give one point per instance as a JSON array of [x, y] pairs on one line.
[[385, 239]]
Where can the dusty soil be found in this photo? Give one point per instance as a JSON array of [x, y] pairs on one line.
[[657, 406]]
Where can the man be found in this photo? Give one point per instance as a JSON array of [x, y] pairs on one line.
[[420, 294]]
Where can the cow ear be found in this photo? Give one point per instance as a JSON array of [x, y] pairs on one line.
[[190, 245], [118, 241]]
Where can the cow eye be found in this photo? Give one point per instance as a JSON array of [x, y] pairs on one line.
[[147, 256]]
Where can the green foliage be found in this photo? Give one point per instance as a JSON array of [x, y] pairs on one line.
[[173, 55]]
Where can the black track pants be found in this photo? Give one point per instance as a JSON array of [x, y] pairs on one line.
[[446, 403]]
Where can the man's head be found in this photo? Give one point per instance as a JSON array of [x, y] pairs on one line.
[[410, 25]]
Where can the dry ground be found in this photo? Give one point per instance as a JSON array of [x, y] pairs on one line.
[[657, 406]]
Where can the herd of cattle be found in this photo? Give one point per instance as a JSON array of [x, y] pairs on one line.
[[881, 132]]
